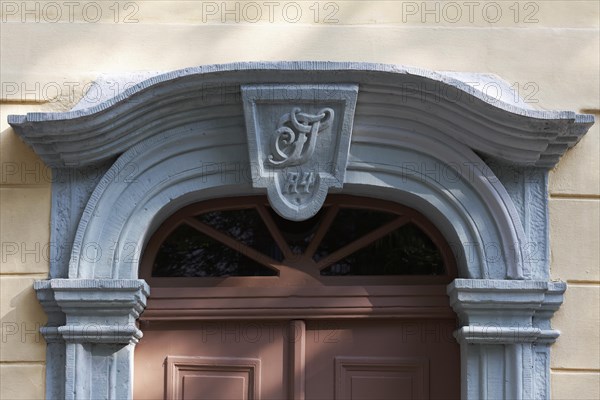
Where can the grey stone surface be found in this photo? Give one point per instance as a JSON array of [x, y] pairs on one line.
[[91, 334], [107, 86], [505, 336], [528, 189], [71, 190]]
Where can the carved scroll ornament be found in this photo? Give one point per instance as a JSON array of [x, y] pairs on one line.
[[293, 131]]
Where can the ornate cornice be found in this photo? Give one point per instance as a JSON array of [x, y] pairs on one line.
[[424, 100]]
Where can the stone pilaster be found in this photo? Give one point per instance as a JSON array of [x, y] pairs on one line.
[[505, 336], [91, 334]]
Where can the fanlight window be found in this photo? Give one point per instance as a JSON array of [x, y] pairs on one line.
[[350, 236]]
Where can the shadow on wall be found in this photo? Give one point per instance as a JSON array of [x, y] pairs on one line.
[[24, 250], [21, 319]]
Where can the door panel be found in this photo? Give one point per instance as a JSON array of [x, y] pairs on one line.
[[382, 359], [218, 378], [383, 378], [212, 360]]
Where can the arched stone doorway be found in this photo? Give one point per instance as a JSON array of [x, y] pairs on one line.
[[476, 167]]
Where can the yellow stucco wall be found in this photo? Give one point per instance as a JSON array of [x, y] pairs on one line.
[[548, 50]]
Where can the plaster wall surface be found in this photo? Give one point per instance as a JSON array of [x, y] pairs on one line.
[[25, 239], [574, 208], [546, 50]]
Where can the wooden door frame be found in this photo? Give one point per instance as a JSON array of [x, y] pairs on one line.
[[289, 295], [417, 139]]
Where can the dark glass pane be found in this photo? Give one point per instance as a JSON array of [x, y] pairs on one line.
[[349, 225], [406, 251], [298, 234], [189, 253], [245, 226]]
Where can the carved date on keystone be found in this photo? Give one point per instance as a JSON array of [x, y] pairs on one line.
[[299, 182]]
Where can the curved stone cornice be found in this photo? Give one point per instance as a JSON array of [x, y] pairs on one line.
[[451, 106]]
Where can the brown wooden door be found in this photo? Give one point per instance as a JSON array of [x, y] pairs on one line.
[[350, 304], [359, 359]]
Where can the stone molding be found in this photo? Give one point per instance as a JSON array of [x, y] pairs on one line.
[[90, 334], [94, 310], [151, 193], [505, 312], [507, 131], [505, 336]]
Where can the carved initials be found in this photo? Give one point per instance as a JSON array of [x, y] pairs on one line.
[[299, 144], [289, 145]]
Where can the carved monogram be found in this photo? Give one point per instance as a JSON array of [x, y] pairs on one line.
[[298, 142], [289, 143]]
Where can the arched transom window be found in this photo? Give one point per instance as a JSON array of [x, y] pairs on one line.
[[350, 238]]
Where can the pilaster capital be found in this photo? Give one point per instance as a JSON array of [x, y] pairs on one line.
[[93, 310], [505, 311]]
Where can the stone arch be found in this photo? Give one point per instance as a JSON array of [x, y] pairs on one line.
[[169, 173]]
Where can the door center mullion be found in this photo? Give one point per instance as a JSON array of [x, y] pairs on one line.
[[297, 359]]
